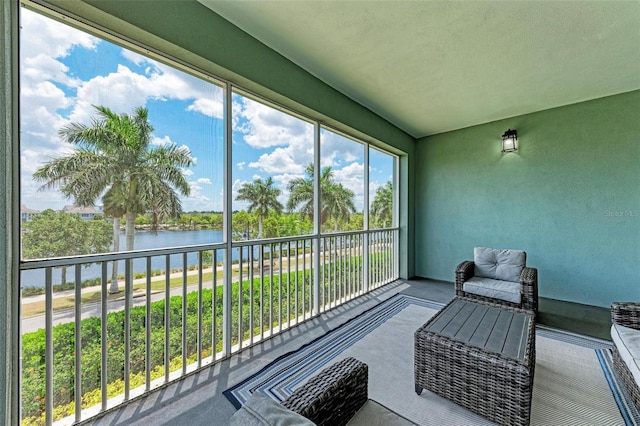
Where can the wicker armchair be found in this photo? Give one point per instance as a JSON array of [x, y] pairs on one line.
[[626, 314], [334, 395], [528, 287]]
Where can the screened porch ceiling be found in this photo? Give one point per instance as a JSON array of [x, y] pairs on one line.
[[435, 66]]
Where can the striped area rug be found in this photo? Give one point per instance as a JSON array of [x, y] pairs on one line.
[[574, 380]]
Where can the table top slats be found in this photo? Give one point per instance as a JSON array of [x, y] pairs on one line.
[[515, 343], [458, 322], [472, 323], [485, 327], [443, 320], [483, 330], [495, 342]]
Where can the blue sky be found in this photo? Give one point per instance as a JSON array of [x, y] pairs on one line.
[[65, 71]]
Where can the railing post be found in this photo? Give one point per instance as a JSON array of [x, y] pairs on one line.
[[365, 262], [77, 391], [48, 356]]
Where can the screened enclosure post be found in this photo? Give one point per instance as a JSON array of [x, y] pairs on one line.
[[227, 293], [10, 306], [316, 218]]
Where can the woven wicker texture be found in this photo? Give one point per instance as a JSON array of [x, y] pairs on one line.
[[626, 314], [528, 282], [486, 383], [334, 395]]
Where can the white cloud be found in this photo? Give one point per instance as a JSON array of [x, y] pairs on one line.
[[352, 177], [161, 141], [240, 204], [267, 127], [209, 107], [44, 67], [204, 181], [187, 172], [337, 150], [134, 57], [278, 161], [241, 165], [53, 38]]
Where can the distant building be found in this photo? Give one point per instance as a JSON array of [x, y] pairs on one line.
[[27, 214], [85, 213]]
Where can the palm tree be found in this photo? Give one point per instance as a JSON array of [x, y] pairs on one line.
[[382, 206], [113, 159], [263, 197], [339, 203], [301, 192]]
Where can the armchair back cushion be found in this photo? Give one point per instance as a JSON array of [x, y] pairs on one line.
[[499, 264]]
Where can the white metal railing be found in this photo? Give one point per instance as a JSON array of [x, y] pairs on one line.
[[91, 349]]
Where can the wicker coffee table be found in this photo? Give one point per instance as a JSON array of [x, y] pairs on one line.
[[481, 356]]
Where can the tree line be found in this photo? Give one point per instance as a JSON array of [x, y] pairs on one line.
[[113, 161]]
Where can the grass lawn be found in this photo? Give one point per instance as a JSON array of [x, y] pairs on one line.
[[157, 284]]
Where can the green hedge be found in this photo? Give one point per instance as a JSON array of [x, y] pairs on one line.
[[33, 344], [281, 290]]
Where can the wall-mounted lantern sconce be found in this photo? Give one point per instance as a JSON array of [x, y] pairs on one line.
[[509, 141]]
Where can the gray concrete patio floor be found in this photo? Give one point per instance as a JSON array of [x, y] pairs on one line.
[[198, 399]]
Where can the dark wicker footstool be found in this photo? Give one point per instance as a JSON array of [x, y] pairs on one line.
[[480, 356], [332, 397]]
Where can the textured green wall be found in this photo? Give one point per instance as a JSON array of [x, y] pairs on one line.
[[570, 197]]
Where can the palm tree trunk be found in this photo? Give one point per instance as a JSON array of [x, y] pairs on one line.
[[130, 229], [130, 234], [116, 248], [63, 277], [260, 227]]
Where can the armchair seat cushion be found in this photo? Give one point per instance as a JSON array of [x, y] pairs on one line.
[[627, 341], [496, 289]]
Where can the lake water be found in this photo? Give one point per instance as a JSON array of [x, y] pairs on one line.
[[143, 240]]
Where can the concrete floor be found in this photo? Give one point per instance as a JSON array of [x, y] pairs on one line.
[[198, 399]]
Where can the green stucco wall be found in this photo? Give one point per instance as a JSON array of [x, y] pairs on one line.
[[570, 197]]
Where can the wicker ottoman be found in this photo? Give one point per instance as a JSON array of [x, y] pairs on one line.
[[480, 356]]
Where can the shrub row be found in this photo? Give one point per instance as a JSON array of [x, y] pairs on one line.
[[291, 292], [274, 292]]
